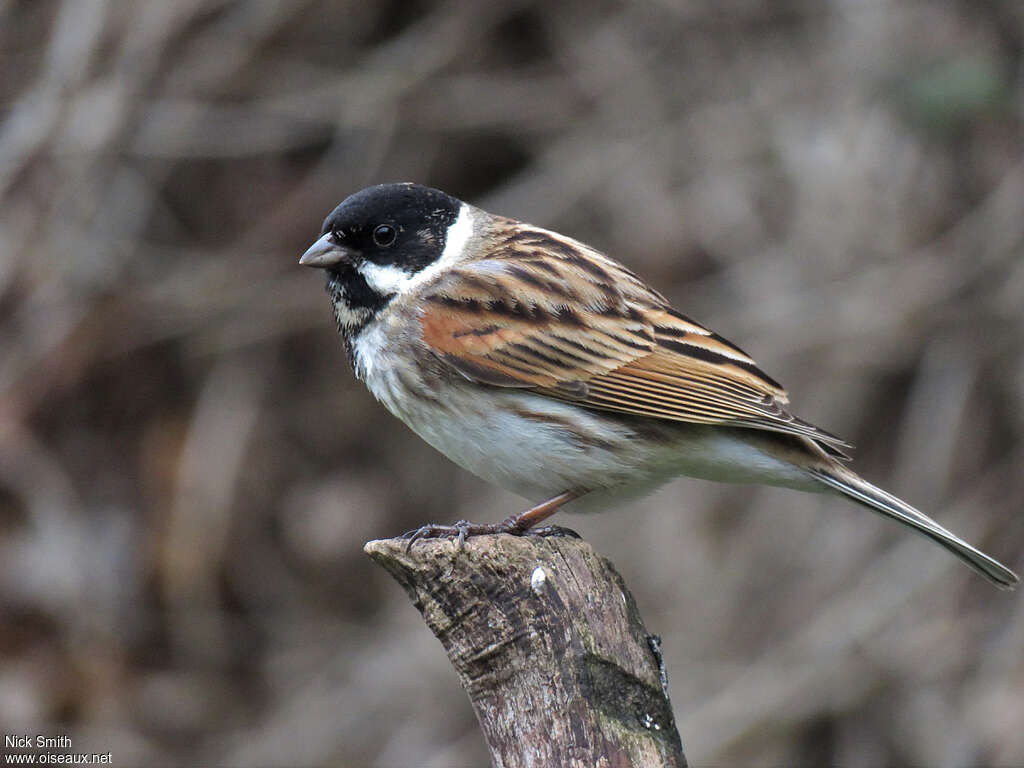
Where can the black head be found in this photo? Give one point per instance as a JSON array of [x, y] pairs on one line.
[[375, 242], [400, 224]]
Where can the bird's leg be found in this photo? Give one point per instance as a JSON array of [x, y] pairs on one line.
[[517, 525], [523, 523]]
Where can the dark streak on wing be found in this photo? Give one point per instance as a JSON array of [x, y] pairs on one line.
[[686, 319], [532, 352], [576, 344], [565, 353], [485, 331], [517, 309], [548, 286], [708, 356], [466, 303], [588, 265], [671, 331], [549, 268], [727, 343], [525, 276], [569, 316], [676, 332], [629, 342], [538, 239]]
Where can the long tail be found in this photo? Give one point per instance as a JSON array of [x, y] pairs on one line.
[[876, 499]]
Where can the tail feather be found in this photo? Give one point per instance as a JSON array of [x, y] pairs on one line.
[[878, 500]]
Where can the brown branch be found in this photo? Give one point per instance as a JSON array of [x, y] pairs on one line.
[[549, 645]]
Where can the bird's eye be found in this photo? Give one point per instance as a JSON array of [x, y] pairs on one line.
[[384, 235]]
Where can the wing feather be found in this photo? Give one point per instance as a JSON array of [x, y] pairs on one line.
[[551, 315]]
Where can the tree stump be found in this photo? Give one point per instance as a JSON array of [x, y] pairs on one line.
[[549, 645]]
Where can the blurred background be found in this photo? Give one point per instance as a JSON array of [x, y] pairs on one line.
[[188, 470]]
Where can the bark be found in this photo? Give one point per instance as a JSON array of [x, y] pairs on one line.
[[549, 646]]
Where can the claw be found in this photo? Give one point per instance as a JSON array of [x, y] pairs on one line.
[[428, 531]]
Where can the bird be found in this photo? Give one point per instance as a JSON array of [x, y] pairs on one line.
[[545, 367]]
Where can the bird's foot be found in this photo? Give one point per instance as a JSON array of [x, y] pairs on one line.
[[463, 529]]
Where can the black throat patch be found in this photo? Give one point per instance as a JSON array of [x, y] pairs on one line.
[[349, 289]]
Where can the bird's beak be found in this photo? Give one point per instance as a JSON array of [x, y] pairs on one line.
[[325, 253]]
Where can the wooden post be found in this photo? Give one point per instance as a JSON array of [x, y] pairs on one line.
[[549, 645]]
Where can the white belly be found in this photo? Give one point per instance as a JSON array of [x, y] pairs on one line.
[[532, 445]]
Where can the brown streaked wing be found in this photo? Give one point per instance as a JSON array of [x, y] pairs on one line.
[[501, 324], [695, 375], [571, 334]]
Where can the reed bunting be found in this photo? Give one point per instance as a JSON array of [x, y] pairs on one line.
[[545, 367]]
